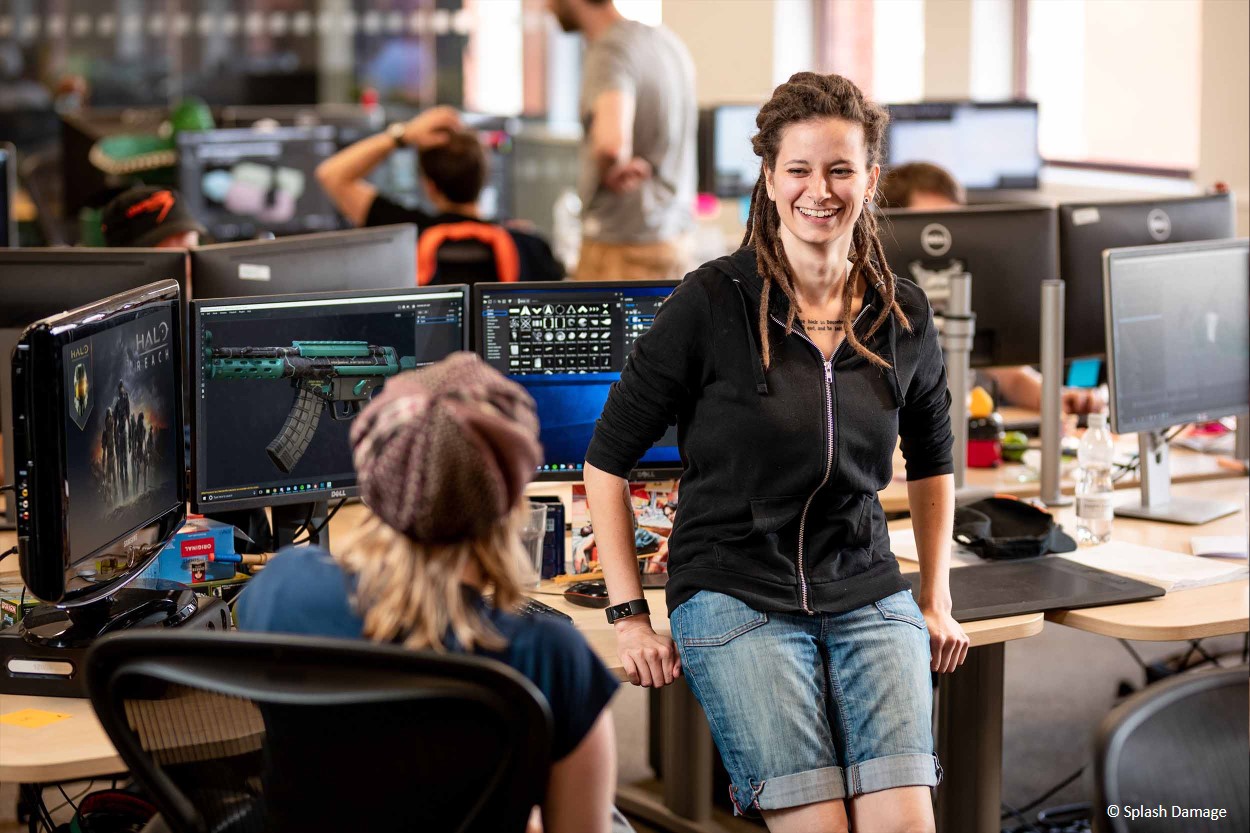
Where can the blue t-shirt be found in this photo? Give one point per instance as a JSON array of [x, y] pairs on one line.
[[306, 592]]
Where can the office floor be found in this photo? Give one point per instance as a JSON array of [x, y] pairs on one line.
[[1059, 684]]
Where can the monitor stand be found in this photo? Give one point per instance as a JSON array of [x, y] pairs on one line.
[[44, 653], [288, 520], [1157, 503]]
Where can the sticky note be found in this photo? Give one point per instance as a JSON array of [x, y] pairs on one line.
[[32, 718]]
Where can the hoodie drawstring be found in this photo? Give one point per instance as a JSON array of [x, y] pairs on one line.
[[757, 366]]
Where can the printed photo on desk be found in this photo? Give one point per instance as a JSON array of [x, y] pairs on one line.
[[655, 507]]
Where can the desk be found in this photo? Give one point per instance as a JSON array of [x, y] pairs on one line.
[[974, 764], [1186, 467]]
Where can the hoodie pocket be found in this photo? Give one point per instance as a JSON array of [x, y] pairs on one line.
[[766, 552], [839, 539]]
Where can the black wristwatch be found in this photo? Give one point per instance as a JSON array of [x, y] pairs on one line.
[[637, 607]]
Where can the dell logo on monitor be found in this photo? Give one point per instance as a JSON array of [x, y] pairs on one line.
[[935, 239], [338, 493], [1159, 224]]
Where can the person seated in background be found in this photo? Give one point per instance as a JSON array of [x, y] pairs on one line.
[[453, 171], [442, 456], [148, 216], [923, 186]]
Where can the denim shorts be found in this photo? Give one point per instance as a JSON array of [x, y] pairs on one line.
[[808, 708]]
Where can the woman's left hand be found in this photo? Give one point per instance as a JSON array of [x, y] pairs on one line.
[[948, 644]]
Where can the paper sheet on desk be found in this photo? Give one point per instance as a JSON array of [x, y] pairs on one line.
[[1219, 546], [1162, 568], [903, 545]]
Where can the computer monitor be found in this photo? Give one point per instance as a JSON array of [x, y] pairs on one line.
[[1086, 230], [1008, 250], [984, 145], [1178, 347], [566, 344], [242, 182], [278, 380], [334, 261], [8, 195], [728, 167], [36, 283]]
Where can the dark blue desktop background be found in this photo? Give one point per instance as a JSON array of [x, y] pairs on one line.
[[568, 405]]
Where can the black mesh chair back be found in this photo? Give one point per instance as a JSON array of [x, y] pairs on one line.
[[1180, 742], [257, 732]]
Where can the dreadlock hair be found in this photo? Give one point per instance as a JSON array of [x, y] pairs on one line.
[[805, 97]]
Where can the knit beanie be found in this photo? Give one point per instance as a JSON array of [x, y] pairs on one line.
[[444, 452]]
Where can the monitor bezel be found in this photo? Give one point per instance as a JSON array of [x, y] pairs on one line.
[[636, 474], [1110, 256], [40, 426], [195, 369]]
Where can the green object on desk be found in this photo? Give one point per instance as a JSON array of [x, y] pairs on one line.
[[1015, 443]]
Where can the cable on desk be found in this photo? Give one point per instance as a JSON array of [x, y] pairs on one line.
[[321, 526], [7, 553]]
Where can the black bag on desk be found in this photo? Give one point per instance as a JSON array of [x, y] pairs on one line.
[[1003, 528]]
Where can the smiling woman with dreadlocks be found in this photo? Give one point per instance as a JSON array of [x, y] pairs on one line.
[[792, 368]]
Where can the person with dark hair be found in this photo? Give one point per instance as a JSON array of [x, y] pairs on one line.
[[443, 455], [149, 216], [923, 186], [792, 368], [920, 185], [638, 176], [453, 171]]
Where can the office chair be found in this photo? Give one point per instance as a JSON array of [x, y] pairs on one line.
[[466, 252], [250, 732], [1181, 741]]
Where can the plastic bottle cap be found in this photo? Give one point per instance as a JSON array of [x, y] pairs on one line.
[[1097, 420]]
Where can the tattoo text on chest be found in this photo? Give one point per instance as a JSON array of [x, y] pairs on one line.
[[822, 325]]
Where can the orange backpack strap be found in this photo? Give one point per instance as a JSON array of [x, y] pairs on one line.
[[507, 259]]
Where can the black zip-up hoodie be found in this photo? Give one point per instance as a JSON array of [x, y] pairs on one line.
[[782, 467]]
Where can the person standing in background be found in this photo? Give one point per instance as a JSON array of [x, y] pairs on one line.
[[638, 179]]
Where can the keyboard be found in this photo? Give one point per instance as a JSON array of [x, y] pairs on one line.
[[533, 607]]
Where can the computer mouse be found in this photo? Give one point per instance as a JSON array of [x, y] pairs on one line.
[[588, 594]]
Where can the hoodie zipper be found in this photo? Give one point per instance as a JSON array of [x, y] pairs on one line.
[[828, 365]]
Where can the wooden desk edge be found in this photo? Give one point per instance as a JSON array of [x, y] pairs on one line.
[[54, 771], [1092, 621]]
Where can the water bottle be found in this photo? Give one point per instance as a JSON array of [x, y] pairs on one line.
[[1094, 509]]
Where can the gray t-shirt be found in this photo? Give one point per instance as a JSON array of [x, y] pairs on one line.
[[654, 65]]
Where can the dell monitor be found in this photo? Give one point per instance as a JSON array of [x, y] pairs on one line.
[[100, 480], [240, 183], [728, 166], [1178, 347], [277, 382], [8, 195], [334, 261], [36, 283], [1086, 230], [566, 344], [985, 146], [1008, 250]]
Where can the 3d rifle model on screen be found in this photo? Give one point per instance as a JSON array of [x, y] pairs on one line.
[[340, 374]]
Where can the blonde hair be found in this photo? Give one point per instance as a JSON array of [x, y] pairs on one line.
[[412, 593]]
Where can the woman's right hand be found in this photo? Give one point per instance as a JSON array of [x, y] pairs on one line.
[[650, 659]]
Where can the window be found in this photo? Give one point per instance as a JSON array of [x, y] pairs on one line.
[[1117, 81]]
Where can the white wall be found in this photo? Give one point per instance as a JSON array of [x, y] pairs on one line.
[[1224, 134], [732, 45]]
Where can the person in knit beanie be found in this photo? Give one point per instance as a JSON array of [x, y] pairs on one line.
[[442, 456]]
